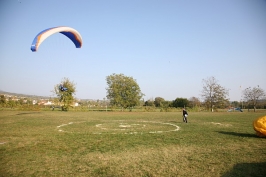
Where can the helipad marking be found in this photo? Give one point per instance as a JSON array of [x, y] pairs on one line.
[[123, 127]]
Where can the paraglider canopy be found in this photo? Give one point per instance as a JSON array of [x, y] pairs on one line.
[[71, 33], [62, 88]]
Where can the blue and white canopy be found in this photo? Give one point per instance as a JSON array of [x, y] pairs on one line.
[[71, 33]]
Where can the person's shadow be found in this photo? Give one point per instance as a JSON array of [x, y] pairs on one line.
[[247, 170], [23, 113]]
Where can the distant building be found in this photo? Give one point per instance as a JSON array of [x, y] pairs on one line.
[[48, 103]]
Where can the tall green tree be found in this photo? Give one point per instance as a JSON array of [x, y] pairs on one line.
[[214, 94], [252, 95], [2, 100], [123, 91], [66, 98], [180, 102], [158, 101]]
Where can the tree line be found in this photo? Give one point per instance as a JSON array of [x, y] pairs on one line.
[[124, 92]]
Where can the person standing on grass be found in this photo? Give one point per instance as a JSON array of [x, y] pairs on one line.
[[185, 114]]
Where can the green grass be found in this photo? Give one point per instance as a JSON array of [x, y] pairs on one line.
[[54, 143]]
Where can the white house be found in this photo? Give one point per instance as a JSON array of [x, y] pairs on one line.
[[48, 103]]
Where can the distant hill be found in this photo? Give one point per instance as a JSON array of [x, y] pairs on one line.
[[36, 97], [24, 95]]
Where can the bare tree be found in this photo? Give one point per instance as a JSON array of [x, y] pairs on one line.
[[213, 93], [194, 101], [252, 95]]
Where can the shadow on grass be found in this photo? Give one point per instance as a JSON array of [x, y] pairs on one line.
[[23, 113], [238, 134], [247, 170]]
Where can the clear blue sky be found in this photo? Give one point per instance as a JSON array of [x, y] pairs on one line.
[[168, 46]]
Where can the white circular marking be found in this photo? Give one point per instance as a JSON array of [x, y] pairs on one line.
[[123, 126]]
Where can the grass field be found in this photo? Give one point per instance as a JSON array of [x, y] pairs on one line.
[[55, 143]]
